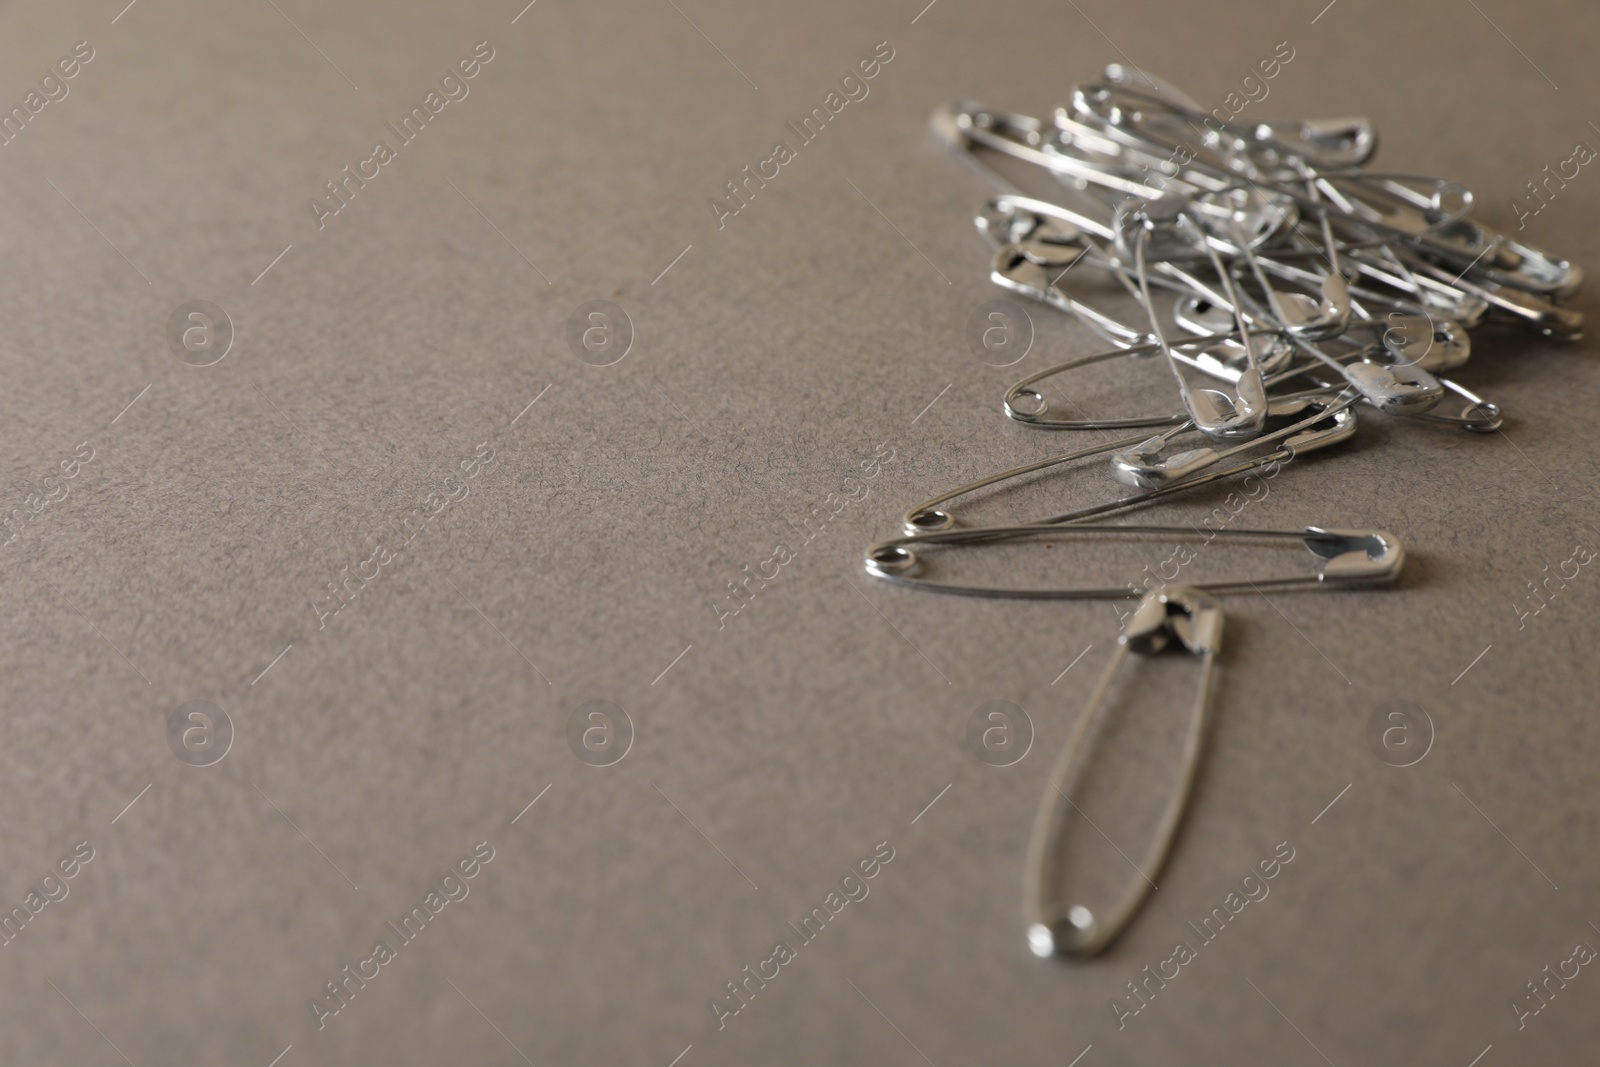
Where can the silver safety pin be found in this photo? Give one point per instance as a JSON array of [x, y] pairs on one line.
[[1177, 618], [1149, 464], [1325, 143], [1326, 426], [1340, 558]]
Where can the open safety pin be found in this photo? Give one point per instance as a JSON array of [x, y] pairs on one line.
[[1177, 618], [1340, 558]]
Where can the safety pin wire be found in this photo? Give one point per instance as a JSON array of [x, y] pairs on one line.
[[1059, 928]]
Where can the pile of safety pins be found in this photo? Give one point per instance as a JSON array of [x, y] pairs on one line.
[[1296, 285]]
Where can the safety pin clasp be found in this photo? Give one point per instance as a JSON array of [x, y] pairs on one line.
[[1398, 390], [1177, 618], [1355, 557]]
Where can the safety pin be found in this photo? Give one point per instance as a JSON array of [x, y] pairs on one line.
[[1340, 558], [1326, 143], [966, 123], [1307, 435], [1219, 356], [1561, 323], [1475, 415], [1177, 618], [1471, 245], [1147, 465]]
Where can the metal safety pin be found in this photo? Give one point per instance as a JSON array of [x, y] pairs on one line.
[[1341, 558], [1341, 142], [1148, 464], [1475, 413], [1176, 618], [967, 123], [1308, 435], [1028, 406]]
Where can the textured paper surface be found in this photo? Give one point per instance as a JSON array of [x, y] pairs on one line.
[[820, 328]]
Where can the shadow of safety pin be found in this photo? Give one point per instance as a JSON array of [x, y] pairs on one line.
[[1177, 618]]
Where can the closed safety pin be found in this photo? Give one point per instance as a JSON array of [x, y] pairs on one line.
[[1340, 558], [1177, 618], [1323, 427]]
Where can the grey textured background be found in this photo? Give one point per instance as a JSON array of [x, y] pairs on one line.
[[770, 360]]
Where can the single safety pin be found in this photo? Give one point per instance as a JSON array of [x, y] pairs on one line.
[[1327, 426], [1176, 618], [1325, 143], [966, 123], [1562, 323], [1340, 558], [928, 516], [1475, 414], [1148, 464]]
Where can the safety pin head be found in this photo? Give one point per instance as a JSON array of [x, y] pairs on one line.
[[1355, 557], [1339, 425], [1179, 614], [1015, 269], [1162, 223], [1395, 390], [1422, 341], [1145, 467], [1230, 418], [1007, 223]]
